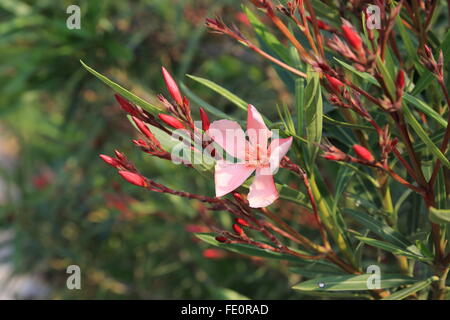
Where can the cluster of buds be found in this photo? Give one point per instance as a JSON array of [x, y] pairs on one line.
[[180, 109], [353, 49], [120, 162], [151, 145], [436, 67], [333, 153]]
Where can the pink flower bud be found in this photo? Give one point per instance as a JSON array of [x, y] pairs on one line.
[[363, 153], [171, 121], [119, 155], [352, 37], [109, 160], [332, 157], [126, 106], [172, 87], [336, 84], [142, 127], [238, 229], [242, 222], [205, 119], [134, 178], [400, 81], [140, 143]]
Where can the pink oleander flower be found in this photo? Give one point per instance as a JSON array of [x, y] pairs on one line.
[[252, 155]]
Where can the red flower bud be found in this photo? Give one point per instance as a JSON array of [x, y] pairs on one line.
[[238, 197], [363, 153], [320, 24], [171, 121], [222, 239], [242, 222], [336, 84], [126, 106], [352, 37], [400, 81], [172, 87], [119, 155], [332, 157], [140, 143], [205, 119], [134, 178], [238, 229], [111, 161], [142, 127]]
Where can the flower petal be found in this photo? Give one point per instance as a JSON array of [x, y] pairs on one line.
[[262, 190], [229, 176], [277, 150], [230, 136], [257, 131]]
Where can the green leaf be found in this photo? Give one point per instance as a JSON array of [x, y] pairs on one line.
[[386, 76], [439, 216], [314, 272], [227, 294], [300, 103], [265, 36], [123, 92], [405, 293], [387, 246], [410, 48], [196, 99], [425, 108], [361, 173], [351, 283], [222, 91], [424, 136], [246, 249], [288, 193], [313, 112], [419, 104], [364, 75], [384, 231]]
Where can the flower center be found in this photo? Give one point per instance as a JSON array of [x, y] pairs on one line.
[[255, 156]]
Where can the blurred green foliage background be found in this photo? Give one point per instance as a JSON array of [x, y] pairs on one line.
[[62, 203]]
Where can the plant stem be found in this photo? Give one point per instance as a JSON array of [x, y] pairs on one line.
[[439, 288]]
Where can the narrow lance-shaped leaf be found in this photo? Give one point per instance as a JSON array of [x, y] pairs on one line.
[[383, 230], [266, 36], [313, 112], [352, 283], [424, 136], [419, 104], [123, 92], [222, 91], [387, 246], [405, 293]]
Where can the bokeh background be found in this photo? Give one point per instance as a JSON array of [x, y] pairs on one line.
[[61, 205]]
